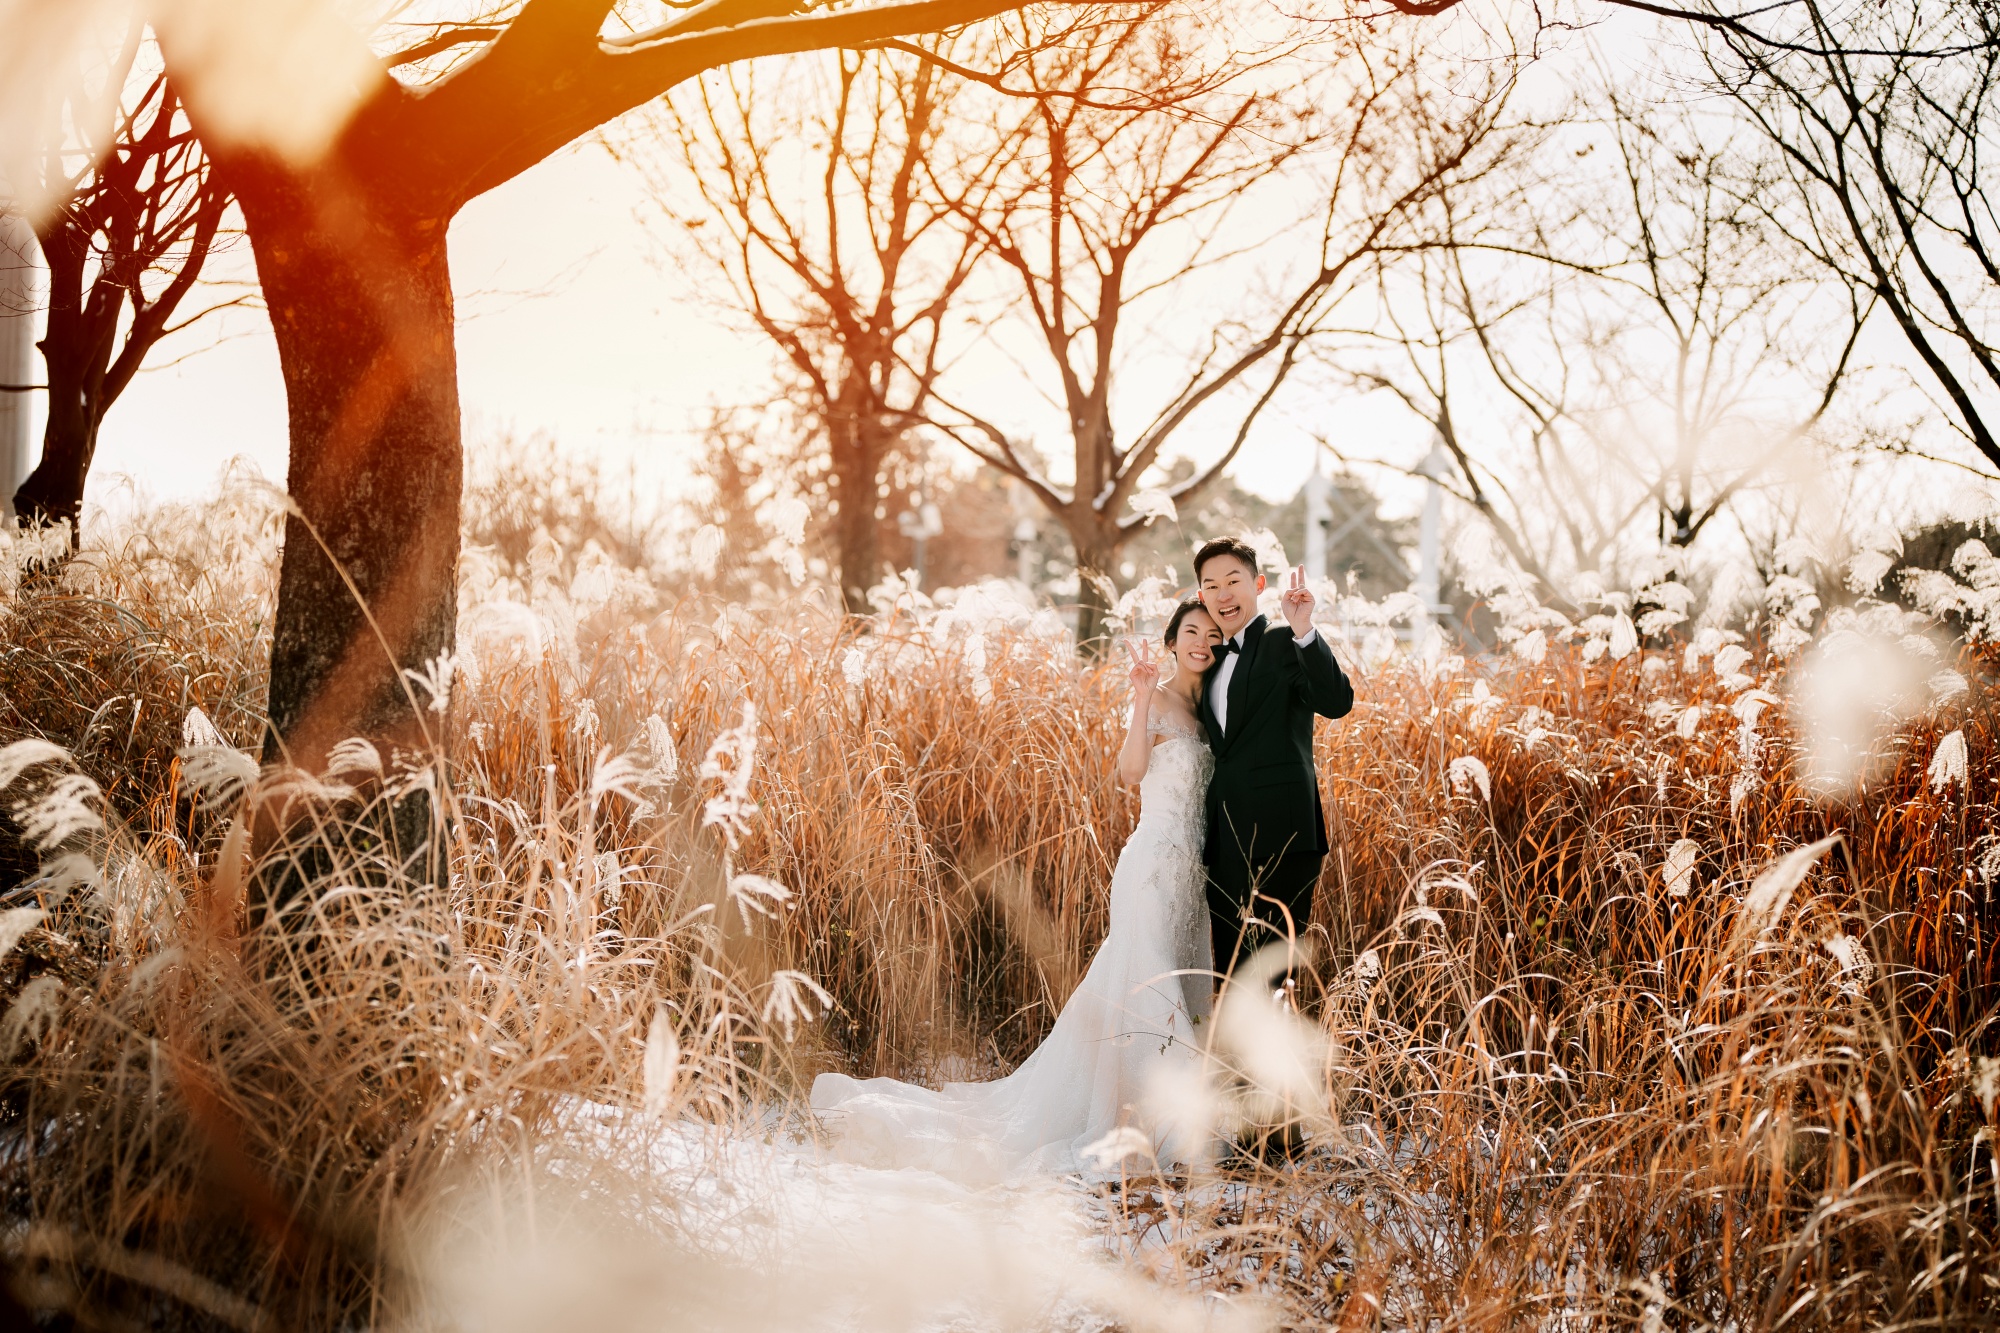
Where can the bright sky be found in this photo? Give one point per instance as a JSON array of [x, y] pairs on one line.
[[570, 324], [567, 325]]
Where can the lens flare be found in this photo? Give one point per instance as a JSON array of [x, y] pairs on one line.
[[1853, 688]]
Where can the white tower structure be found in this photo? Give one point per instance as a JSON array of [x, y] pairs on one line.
[[920, 522], [18, 299], [1318, 515], [1435, 467], [1021, 501]]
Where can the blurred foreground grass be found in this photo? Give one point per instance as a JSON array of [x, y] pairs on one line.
[[1610, 1050]]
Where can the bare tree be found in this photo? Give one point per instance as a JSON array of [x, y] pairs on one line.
[[1883, 119], [1882, 115], [1756, 350], [347, 213], [1101, 209], [1775, 28], [810, 200], [128, 221], [1638, 340]]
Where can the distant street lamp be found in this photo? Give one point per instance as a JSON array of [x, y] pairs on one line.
[[1025, 533], [920, 522], [1318, 516], [1023, 505], [1435, 468]]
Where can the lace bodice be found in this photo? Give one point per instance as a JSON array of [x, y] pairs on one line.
[[1166, 724], [1170, 796]]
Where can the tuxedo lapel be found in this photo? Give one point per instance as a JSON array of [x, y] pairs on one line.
[[1239, 680], [1263, 693], [1205, 711]]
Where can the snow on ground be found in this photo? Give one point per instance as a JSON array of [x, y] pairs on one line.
[[630, 1224]]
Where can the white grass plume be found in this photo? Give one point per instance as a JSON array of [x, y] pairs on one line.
[[197, 729], [1773, 888], [732, 761], [23, 755], [219, 774], [16, 922], [32, 1014], [1467, 773], [354, 755], [67, 807], [663, 1061], [790, 998], [1680, 865], [1948, 763]]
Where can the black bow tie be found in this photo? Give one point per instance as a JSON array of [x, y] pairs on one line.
[[1225, 648]]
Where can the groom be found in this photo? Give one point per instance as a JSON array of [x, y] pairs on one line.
[[1266, 832]]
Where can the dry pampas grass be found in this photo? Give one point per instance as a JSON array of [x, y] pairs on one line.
[[1629, 1020]]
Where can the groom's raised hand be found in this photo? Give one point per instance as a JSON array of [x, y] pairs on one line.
[[1298, 604]]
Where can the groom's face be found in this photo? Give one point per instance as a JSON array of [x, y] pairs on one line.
[[1229, 590]]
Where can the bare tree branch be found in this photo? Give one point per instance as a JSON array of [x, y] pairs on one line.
[[1733, 25], [550, 78]]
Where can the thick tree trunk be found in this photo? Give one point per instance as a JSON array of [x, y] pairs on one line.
[[53, 492], [1096, 558], [858, 449], [360, 301], [75, 347]]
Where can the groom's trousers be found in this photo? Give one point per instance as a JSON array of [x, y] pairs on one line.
[[1252, 903]]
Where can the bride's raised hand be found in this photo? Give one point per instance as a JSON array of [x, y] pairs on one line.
[[1136, 754], [1145, 671]]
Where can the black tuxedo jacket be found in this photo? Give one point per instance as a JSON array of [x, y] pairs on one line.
[[1264, 797]]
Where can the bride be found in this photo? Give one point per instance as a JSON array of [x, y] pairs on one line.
[[1126, 1040]]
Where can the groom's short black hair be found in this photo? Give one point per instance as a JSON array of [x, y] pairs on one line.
[[1220, 546]]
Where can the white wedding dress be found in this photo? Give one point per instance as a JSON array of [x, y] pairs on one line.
[[1124, 1052]]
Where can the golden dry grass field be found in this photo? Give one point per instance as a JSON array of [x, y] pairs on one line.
[[1608, 1049]]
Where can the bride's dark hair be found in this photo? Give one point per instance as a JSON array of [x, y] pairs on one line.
[[1181, 612]]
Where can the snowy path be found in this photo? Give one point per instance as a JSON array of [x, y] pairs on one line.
[[687, 1228]]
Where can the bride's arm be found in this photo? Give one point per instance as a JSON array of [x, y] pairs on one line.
[[1137, 752]]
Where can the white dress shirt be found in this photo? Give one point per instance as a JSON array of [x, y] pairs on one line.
[[1218, 694]]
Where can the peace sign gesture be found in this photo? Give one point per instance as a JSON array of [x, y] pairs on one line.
[[1145, 671], [1298, 603]]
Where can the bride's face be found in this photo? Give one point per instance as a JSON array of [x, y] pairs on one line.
[[1194, 643]]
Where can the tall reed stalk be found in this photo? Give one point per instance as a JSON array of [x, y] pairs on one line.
[[1607, 1052]]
